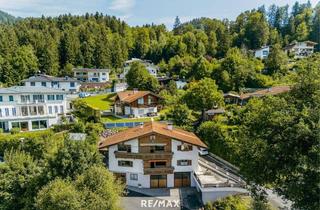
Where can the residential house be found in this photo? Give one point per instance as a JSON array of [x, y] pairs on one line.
[[119, 87], [300, 49], [91, 75], [135, 103], [153, 155], [244, 98], [262, 53], [212, 113], [152, 69], [63, 83], [31, 108]]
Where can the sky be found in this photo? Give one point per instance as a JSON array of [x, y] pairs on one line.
[[139, 12]]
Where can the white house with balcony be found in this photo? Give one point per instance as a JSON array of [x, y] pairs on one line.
[[63, 83], [262, 53], [300, 49], [31, 108], [91, 75], [152, 69]]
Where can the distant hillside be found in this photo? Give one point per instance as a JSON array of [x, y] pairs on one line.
[[6, 18]]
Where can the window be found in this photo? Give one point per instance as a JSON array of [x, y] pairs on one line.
[[61, 109], [55, 84], [134, 177], [33, 110], [72, 84], [103, 74], [32, 83], [24, 111], [77, 73], [140, 111], [124, 147], [185, 147], [42, 124], [125, 163], [14, 112], [35, 125], [50, 109], [25, 98], [184, 162], [44, 84], [41, 110], [158, 164], [10, 98], [265, 52], [6, 110], [56, 109], [1, 99], [50, 97], [149, 100], [38, 98], [140, 101], [15, 125], [59, 97], [157, 149]]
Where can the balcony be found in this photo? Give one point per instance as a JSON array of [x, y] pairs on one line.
[[158, 171], [144, 156]]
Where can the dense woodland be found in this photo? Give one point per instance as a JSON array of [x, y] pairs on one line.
[[202, 47]]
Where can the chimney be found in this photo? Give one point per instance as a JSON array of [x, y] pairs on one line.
[[170, 126]]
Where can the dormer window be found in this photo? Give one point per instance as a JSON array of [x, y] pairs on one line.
[[185, 147]]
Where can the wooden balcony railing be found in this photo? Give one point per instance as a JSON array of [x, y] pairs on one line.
[[158, 171], [144, 156]]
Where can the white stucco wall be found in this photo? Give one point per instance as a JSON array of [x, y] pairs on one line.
[[135, 111], [184, 155]]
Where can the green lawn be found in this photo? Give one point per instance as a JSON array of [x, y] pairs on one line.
[[112, 119], [101, 102]]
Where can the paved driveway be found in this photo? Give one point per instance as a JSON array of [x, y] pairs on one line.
[[138, 201]]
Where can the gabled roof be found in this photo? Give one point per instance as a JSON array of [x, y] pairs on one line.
[[32, 89], [129, 96], [48, 78], [90, 70], [151, 128], [268, 91]]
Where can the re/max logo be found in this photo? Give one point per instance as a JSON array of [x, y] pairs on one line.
[[160, 203]]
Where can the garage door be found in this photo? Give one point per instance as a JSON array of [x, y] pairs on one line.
[[158, 181], [182, 179]]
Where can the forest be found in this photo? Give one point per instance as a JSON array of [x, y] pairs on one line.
[[192, 50]]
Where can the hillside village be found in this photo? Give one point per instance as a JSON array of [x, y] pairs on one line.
[[218, 113]]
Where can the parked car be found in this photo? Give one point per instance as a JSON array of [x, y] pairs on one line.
[[84, 95], [151, 114], [203, 151]]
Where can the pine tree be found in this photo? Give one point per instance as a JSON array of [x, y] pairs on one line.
[[177, 23]]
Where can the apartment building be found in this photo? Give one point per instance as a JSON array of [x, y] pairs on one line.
[[63, 83], [31, 108], [91, 75], [153, 155]]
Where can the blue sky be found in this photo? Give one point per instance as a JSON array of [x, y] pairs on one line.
[[138, 12]]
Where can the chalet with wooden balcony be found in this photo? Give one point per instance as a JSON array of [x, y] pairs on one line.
[[134, 103], [153, 155]]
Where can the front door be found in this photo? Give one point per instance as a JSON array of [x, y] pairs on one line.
[[182, 179], [158, 181]]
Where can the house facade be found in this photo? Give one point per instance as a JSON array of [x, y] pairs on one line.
[[262, 53], [153, 155], [63, 83], [152, 69], [300, 49], [91, 75], [31, 108], [134, 103]]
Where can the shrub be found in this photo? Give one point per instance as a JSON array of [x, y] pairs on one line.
[[15, 130]]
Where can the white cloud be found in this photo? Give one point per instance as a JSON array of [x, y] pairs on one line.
[[123, 6]]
